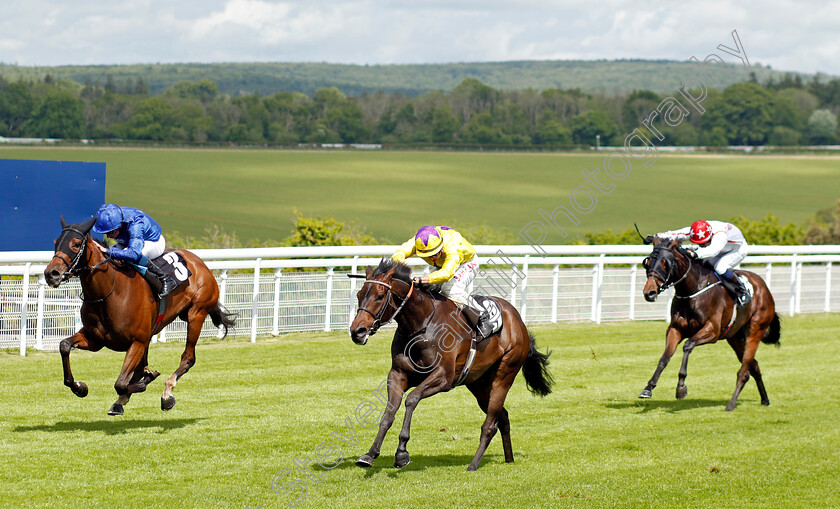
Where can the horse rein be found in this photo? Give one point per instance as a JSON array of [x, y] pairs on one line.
[[665, 285], [377, 318]]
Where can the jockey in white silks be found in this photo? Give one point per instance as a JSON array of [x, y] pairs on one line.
[[723, 245]]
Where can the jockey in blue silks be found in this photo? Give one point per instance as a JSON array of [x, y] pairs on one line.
[[139, 240]]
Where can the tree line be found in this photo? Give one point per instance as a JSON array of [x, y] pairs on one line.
[[784, 112]]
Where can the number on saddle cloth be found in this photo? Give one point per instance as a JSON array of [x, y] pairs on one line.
[[172, 264]]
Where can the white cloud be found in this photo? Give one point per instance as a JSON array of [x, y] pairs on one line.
[[788, 35]]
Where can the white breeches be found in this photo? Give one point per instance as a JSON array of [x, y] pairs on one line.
[[729, 259], [457, 288]]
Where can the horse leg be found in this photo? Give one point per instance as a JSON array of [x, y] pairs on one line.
[[147, 375], [495, 408], [672, 339], [77, 340], [482, 395], [738, 346], [746, 368], [195, 320], [705, 335], [397, 384], [433, 384], [130, 380], [682, 390]]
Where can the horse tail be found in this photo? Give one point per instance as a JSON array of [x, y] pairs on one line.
[[222, 317], [772, 334], [538, 378]]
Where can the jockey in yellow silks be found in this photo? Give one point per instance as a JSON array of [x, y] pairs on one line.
[[456, 264]]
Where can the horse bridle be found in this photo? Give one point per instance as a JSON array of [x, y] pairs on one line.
[[377, 318], [72, 269], [656, 273]]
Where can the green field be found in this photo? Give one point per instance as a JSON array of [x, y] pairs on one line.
[[245, 413], [252, 193]]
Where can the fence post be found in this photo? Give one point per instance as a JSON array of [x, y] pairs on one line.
[[799, 288], [768, 271], [255, 297], [555, 292], [593, 312], [514, 283], [792, 300], [328, 307], [524, 303], [24, 303], [353, 268], [275, 318], [39, 322], [827, 307], [633, 270], [223, 277]]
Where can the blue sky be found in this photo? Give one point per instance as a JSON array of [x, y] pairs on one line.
[[794, 36]]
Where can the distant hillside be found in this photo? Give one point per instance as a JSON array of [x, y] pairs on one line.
[[236, 79]]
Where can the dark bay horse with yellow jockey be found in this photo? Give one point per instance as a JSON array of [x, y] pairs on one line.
[[703, 311], [120, 312], [434, 350]]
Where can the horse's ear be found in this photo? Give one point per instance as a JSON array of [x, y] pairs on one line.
[[87, 225], [369, 272], [63, 223]]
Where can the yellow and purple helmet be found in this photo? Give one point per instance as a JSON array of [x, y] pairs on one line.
[[428, 241]]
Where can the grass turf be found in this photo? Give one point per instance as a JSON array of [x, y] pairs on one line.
[[247, 413], [252, 193]]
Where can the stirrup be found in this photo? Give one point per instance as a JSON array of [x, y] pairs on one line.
[[484, 329]]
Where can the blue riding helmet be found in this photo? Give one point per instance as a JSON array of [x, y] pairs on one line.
[[109, 217]]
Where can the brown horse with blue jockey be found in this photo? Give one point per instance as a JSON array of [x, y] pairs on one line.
[[120, 311]]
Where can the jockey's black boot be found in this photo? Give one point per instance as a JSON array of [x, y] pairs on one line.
[[166, 282], [479, 320], [733, 284]]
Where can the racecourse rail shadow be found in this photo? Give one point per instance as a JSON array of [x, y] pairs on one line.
[[110, 426]]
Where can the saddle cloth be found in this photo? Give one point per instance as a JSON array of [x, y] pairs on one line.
[[172, 264], [750, 290], [746, 282], [493, 310]]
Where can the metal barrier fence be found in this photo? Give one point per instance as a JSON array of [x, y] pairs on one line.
[[281, 290]]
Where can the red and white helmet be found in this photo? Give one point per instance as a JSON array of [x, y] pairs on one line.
[[701, 232]]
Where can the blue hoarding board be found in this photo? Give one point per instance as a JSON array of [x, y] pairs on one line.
[[34, 194]]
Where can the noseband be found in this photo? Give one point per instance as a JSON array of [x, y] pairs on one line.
[[72, 269], [377, 318]]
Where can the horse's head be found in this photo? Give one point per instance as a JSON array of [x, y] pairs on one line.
[[70, 249], [379, 303], [662, 267]]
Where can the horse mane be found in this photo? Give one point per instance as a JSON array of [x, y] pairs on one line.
[[402, 272], [701, 265]]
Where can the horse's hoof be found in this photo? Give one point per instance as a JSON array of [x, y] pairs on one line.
[[682, 392], [646, 394], [151, 375], [365, 461], [116, 409], [765, 402], [402, 460], [167, 403], [81, 389], [730, 407]]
